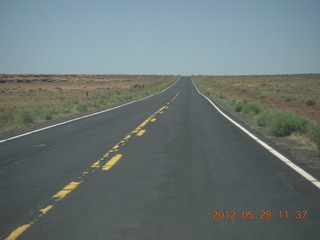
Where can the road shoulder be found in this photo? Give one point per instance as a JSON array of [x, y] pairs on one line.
[[293, 147]]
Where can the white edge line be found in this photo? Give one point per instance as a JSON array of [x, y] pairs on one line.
[[89, 115], [299, 170]]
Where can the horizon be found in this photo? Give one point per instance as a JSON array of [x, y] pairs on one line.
[[182, 75]]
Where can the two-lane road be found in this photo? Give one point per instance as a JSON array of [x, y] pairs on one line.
[[167, 167]]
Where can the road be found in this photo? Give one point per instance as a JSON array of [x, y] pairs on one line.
[[166, 167]]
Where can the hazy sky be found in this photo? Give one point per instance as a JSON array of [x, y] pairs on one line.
[[216, 37]]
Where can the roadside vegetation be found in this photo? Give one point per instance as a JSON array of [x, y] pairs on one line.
[[281, 105], [31, 99]]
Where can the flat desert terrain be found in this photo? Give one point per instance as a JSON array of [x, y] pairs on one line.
[[30, 99]]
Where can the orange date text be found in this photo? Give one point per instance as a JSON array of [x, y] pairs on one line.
[[263, 214]]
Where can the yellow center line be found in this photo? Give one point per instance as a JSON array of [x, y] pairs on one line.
[[116, 146], [141, 132], [96, 164], [127, 137], [111, 162], [66, 190], [45, 210], [161, 109], [16, 233], [72, 185]]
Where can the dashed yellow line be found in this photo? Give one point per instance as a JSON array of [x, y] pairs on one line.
[[116, 147], [111, 162], [161, 109], [141, 132], [16, 233], [66, 190], [96, 164], [46, 209], [72, 185], [127, 137]]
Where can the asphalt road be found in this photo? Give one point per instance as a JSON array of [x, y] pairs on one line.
[[167, 167]]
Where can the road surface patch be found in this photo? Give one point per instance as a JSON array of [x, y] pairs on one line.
[[138, 131], [96, 165]]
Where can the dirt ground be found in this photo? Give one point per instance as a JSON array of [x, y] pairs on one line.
[[26, 91], [280, 91]]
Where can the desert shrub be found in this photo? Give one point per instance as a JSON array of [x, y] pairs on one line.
[[65, 108], [253, 108], [96, 104], [48, 116], [310, 102], [53, 110], [129, 97], [106, 96], [287, 124], [314, 133], [118, 98], [238, 107], [221, 95], [137, 85], [113, 100], [282, 122], [75, 101], [233, 101], [288, 98], [7, 116], [91, 104], [27, 117], [119, 91], [265, 117], [82, 107], [103, 101], [237, 104]]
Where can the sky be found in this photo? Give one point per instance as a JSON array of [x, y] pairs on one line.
[[207, 37]]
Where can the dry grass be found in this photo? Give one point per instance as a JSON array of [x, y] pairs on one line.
[[28, 99], [25, 91], [281, 91], [302, 142]]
